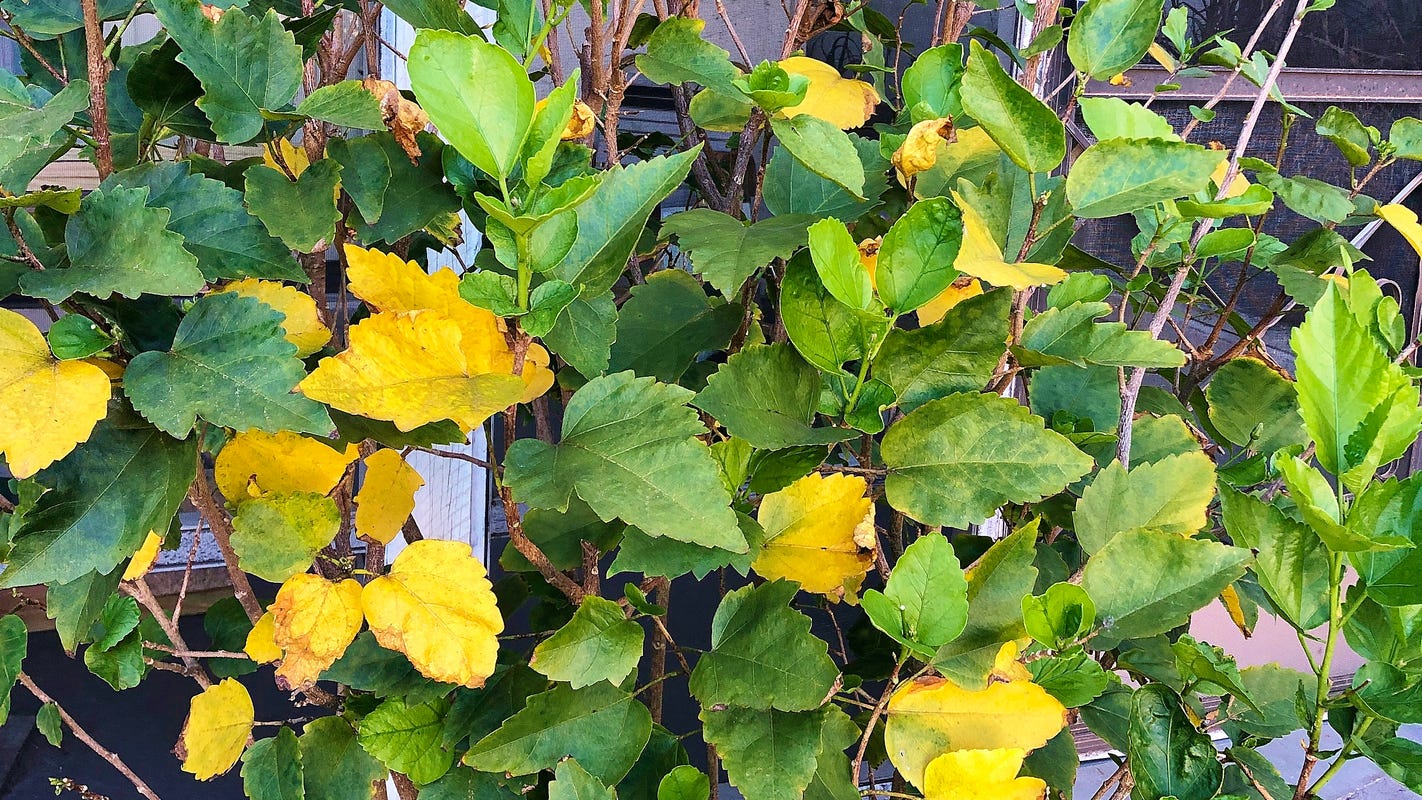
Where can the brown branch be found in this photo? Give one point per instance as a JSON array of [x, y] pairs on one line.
[[139, 590], [879, 707], [221, 526], [99, 68], [83, 736]]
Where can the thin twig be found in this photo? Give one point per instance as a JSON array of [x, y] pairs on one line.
[[144, 595], [221, 526], [83, 736]]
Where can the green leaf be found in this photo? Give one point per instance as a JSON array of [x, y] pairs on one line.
[[546, 304], [997, 582], [657, 556], [120, 666], [677, 53], [767, 395], [1145, 583], [629, 450], [230, 364], [825, 331], [65, 201], [916, 257], [1309, 197], [792, 188], [278, 535], [395, 197], [924, 604], [48, 722], [1070, 335], [1109, 37], [227, 625], [1275, 691], [118, 619], [1024, 127], [1253, 406], [598, 644], [1318, 505], [572, 782], [1406, 138], [727, 252], [958, 353], [611, 221], [75, 605], [478, 96], [823, 149], [1255, 200], [560, 535], [1400, 758], [209, 215], [167, 91], [1119, 176], [768, 754], [1291, 563], [934, 79], [1172, 495], [334, 765], [447, 15], [407, 738], [763, 655], [302, 213], [44, 19], [684, 783], [584, 333], [245, 64], [837, 262], [1388, 511], [1348, 133], [1075, 679], [565, 722], [347, 104], [1063, 614], [1210, 669], [667, 322], [32, 134], [1114, 118], [462, 783], [954, 461], [1168, 757], [75, 336], [833, 779], [1386, 691], [1359, 407], [271, 768], [14, 645], [118, 245], [103, 499]]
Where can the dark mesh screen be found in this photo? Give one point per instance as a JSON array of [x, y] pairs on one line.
[[1354, 34]]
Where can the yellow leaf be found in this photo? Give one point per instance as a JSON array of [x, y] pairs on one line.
[[436, 606], [390, 283], [1404, 220], [1006, 667], [1237, 186], [218, 726], [981, 775], [981, 257], [261, 647], [313, 621], [302, 324], [387, 496], [961, 289], [818, 531], [1229, 598], [413, 369], [919, 150], [930, 716], [840, 101], [47, 406], [869, 257], [1161, 56], [295, 158], [143, 560], [256, 462]]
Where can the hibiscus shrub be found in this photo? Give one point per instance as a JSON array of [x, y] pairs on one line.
[[951, 484]]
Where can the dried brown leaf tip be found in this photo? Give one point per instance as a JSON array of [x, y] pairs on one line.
[[404, 118]]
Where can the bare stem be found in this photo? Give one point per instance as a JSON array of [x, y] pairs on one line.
[[83, 736]]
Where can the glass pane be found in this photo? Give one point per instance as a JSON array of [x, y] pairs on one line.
[[1354, 34]]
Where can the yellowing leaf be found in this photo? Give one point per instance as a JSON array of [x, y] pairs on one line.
[[256, 462], [218, 726], [1404, 220], [919, 150], [1237, 186], [413, 369], [313, 621], [869, 257], [818, 531], [981, 775], [302, 324], [1161, 56], [931, 716], [1006, 667], [842, 102], [1229, 598], [46, 406], [295, 158], [143, 560], [390, 283], [581, 123], [387, 496], [981, 257], [436, 606], [961, 289], [260, 646]]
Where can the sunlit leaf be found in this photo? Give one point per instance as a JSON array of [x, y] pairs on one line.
[[842, 102], [387, 495], [980, 775], [313, 622], [820, 532], [219, 722], [256, 462], [981, 256]]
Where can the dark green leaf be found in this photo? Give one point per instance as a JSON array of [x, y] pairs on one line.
[[598, 644], [666, 323], [767, 395], [302, 213], [958, 353], [334, 765], [1168, 757], [271, 768], [726, 251]]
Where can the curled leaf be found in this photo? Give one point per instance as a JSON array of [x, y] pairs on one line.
[[313, 621], [218, 725], [403, 117], [842, 102], [919, 151], [437, 607], [47, 406]]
